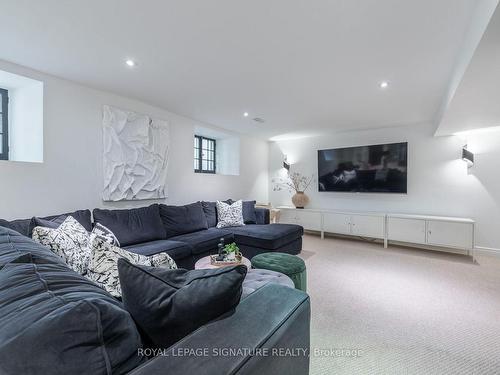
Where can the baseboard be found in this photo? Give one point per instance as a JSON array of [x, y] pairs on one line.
[[490, 251]]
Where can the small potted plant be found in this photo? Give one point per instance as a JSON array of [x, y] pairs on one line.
[[232, 252]]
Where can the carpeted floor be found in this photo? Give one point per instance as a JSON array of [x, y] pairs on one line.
[[401, 311]]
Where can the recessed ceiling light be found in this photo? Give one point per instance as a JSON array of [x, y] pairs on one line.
[[245, 114], [130, 63], [384, 84]]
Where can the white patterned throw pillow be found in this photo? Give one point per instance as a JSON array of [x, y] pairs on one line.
[[100, 230], [70, 241], [230, 215], [103, 266]]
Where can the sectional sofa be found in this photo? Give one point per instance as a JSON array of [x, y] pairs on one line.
[[187, 233], [55, 321]]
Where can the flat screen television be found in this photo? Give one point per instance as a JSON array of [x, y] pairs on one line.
[[364, 169]]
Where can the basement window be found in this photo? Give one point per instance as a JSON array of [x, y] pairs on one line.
[[204, 154], [21, 118], [4, 124]]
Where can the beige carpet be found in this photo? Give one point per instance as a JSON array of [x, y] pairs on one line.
[[401, 311]]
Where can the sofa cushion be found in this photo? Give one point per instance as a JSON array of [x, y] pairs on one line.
[[84, 217], [132, 226], [210, 210], [271, 236], [205, 240], [41, 303], [22, 226], [183, 219], [25, 226], [249, 216], [13, 245], [177, 250], [169, 304]]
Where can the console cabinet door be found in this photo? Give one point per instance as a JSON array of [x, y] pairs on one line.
[[310, 220], [367, 226], [336, 223], [406, 230], [450, 234]]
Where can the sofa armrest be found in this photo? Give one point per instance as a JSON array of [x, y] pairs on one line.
[[260, 337], [263, 215]]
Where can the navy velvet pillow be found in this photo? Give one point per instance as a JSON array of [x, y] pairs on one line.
[[169, 304], [210, 210], [179, 220], [249, 216], [132, 226], [84, 217], [54, 224]]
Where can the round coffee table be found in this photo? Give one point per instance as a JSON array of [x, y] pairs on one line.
[[204, 263]]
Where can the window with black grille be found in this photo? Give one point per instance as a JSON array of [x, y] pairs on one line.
[[204, 154], [4, 124]]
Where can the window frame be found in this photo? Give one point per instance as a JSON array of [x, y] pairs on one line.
[[4, 125], [200, 169]]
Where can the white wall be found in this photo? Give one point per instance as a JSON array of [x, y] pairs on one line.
[[438, 180], [71, 175]]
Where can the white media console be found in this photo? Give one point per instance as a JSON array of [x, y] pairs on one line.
[[420, 230]]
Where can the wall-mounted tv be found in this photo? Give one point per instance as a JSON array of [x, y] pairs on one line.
[[364, 169]]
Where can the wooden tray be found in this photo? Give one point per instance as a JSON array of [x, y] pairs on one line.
[[215, 262]]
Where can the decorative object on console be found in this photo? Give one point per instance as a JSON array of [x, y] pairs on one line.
[[295, 182], [230, 215], [135, 155]]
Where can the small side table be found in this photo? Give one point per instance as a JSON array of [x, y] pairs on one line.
[[204, 263]]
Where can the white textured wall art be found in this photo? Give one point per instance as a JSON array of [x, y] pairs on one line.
[[135, 156]]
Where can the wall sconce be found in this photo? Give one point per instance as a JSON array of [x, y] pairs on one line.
[[467, 156], [286, 164]]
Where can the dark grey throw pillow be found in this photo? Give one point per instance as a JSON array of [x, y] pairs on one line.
[[169, 304], [53, 223], [249, 216]]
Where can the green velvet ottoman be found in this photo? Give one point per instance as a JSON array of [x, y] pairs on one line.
[[290, 265]]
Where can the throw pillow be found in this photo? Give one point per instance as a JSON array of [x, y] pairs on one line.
[[179, 220], [249, 216], [54, 223], [70, 241], [229, 215], [169, 304], [103, 268], [105, 233]]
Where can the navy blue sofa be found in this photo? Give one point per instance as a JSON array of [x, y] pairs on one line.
[[187, 233], [54, 321]]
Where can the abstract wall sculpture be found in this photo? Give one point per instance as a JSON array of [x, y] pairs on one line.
[[135, 156]]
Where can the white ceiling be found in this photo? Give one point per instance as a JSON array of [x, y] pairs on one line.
[[303, 66], [476, 103]]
